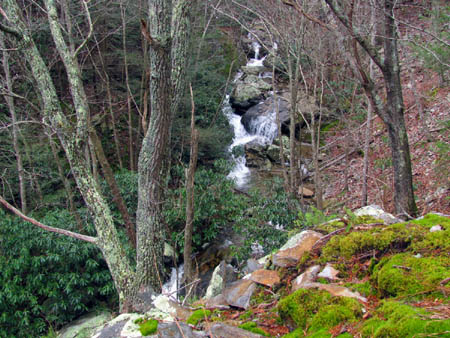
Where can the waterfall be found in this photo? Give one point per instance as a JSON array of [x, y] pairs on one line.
[[263, 129]]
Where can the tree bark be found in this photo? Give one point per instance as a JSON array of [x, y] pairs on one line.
[[73, 138], [150, 222]]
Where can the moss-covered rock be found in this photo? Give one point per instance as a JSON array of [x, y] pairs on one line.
[[197, 316], [438, 241], [148, 327], [318, 310], [404, 274], [399, 235], [252, 327], [397, 320]]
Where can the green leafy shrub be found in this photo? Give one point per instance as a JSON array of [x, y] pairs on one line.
[[47, 279]]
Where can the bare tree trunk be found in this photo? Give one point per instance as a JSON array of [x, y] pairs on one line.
[[15, 129], [392, 113], [190, 208]]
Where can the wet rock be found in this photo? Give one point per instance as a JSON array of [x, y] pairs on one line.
[[376, 212], [293, 250], [221, 330], [178, 330], [223, 274], [248, 92], [336, 290], [266, 109], [329, 272], [85, 325], [238, 294], [307, 277], [265, 277], [253, 70]]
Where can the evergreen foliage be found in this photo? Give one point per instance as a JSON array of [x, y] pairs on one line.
[[47, 279]]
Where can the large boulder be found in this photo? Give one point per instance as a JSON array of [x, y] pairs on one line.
[[85, 326], [376, 212], [248, 91], [291, 253], [223, 274], [239, 293], [266, 109]]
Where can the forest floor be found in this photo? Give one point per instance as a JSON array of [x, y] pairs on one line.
[[427, 116]]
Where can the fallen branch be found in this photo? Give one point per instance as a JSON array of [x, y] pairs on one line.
[[401, 267]]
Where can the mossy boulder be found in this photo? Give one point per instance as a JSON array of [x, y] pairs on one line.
[[397, 320], [396, 236], [433, 242], [318, 310], [405, 274], [148, 327]]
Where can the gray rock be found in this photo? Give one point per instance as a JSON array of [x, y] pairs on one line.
[[223, 274], [329, 272], [85, 326], [221, 330], [248, 92], [122, 326], [238, 294], [266, 108], [252, 265], [178, 330], [376, 212], [307, 277], [435, 228]]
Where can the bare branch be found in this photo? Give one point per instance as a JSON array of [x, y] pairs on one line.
[[46, 227], [91, 28]]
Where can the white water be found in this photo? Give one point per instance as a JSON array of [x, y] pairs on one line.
[[262, 130], [173, 284]]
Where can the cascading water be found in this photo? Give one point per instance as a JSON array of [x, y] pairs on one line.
[[262, 130]]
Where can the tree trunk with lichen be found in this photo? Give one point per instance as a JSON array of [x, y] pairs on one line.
[[73, 138]]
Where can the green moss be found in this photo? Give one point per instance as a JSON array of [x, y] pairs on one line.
[[395, 236], [302, 305], [148, 327], [404, 274], [320, 334], [403, 321], [343, 310], [430, 220], [318, 309], [297, 333], [252, 327], [246, 315], [331, 226], [366, 289], [197, 316]]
